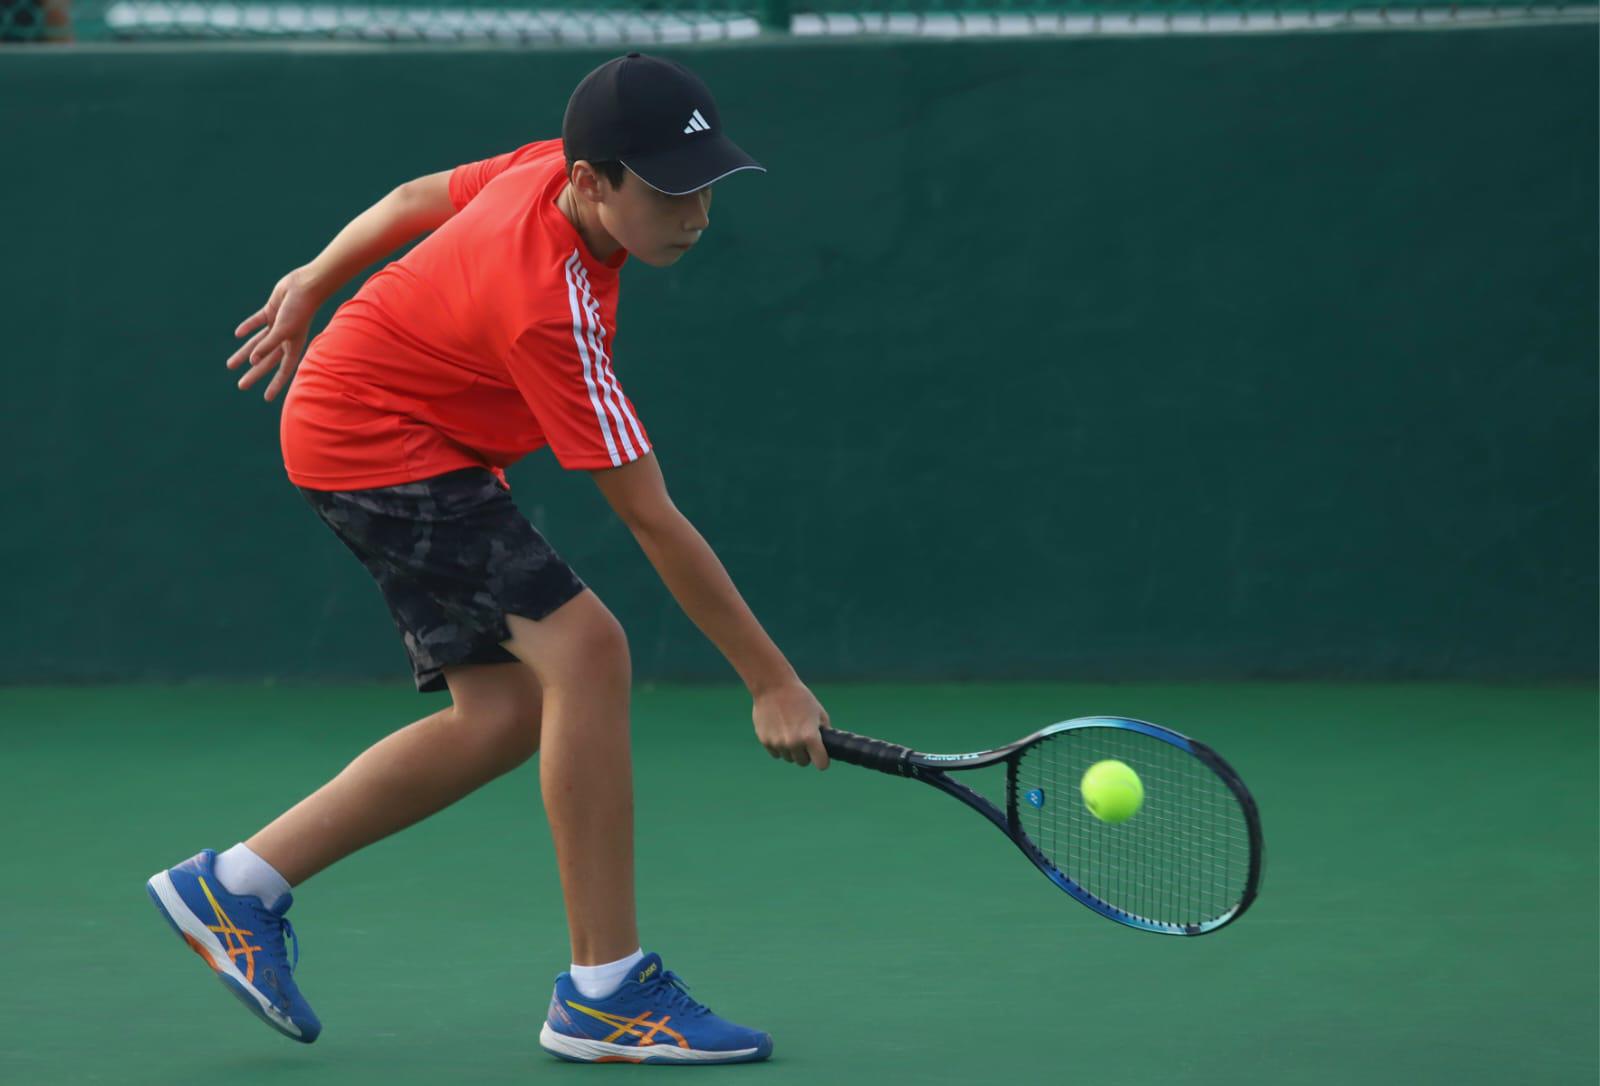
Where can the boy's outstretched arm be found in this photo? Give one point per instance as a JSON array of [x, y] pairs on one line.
[[786, 715], [282, 326]]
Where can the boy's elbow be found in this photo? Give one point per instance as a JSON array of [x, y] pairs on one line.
[[651, 518], [638, 496]]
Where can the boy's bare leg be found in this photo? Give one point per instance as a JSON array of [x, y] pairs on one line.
[[571, 699], [491, 728], [585, 769]]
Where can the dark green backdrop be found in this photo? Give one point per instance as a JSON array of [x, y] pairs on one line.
[[1111, 358]]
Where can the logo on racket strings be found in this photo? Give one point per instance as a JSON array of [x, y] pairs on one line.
[[1035, 797]]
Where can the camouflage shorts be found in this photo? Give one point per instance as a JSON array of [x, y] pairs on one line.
[[453, 556]]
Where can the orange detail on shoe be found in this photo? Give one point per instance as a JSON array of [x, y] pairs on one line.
[[194, 945], [650, 1038], [615, 1059], [631, 1027], [233, 936]]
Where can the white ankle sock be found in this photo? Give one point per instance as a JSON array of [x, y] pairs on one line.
[[599, 981], [243, 872]]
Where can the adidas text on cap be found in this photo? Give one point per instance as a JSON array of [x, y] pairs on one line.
[[655, 117]]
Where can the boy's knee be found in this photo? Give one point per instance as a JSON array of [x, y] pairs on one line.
[[605, 643], [581, 644]]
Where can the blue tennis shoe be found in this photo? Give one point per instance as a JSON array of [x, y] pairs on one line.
[[650, 1019], [242, 940]]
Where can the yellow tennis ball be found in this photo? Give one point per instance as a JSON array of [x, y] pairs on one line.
[[1112, 791]]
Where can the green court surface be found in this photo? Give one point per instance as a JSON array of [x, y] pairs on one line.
[[1428, 913]]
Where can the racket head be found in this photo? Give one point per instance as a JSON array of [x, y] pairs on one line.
[[1188, 863]]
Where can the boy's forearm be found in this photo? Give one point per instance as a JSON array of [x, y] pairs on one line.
[[696, 578], [408, 212]]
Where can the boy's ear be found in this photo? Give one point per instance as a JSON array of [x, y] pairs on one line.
[[588, 182]]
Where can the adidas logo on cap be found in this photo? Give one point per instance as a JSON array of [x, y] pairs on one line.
[[696, 123]]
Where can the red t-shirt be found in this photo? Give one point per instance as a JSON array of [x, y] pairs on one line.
[[488, 340]]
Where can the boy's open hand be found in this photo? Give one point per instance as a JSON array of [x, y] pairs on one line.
[[788, 719], [281, 328]]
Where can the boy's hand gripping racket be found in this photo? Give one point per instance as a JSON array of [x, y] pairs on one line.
[[1189, 860]]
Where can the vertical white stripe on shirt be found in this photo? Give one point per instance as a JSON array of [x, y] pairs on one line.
[[608, 375], [579, 321], [611, 395]]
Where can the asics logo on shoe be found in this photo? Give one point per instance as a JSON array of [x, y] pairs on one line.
[[233, 937], [639, 1029], [648, 973]]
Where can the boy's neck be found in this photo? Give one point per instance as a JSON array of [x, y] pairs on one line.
[[601, 245]]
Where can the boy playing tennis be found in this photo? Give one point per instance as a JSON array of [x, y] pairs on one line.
[[487, 341]]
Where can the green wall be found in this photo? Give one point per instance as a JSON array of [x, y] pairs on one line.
[[1215, 356]]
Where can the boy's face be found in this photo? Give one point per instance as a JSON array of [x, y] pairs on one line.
[[654, 227]]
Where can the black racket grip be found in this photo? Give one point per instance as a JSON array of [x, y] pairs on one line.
[[867, 752]]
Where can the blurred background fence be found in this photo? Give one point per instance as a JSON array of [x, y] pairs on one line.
[[1182, 356], [603, 21]]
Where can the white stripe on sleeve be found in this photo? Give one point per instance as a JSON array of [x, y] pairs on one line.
[[608, 376], [579, 321], [596, 335]]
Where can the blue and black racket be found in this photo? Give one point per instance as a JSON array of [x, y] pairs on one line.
[[1186, 863]]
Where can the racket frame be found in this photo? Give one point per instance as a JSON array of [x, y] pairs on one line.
[[934, 769]]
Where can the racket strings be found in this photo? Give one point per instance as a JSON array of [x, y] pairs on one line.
[[1184, 858]]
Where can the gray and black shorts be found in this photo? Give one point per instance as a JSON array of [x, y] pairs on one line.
[[453, 556]]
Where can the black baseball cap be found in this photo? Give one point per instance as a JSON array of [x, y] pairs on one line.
[[658, 119]]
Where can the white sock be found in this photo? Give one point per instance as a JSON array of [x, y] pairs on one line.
[[243, 872], [599, 981]]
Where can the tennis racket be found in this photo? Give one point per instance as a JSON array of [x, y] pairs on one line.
[[1187, 863]]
